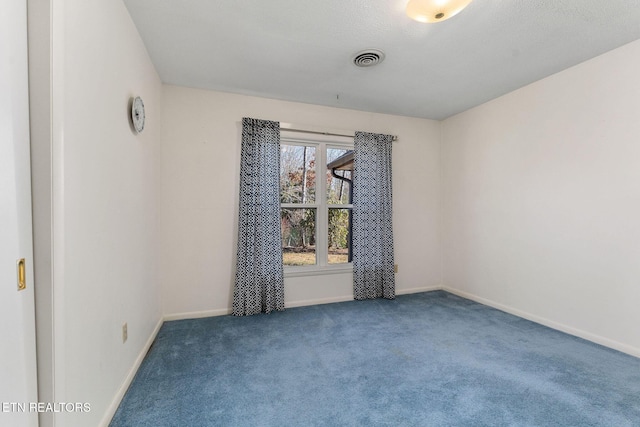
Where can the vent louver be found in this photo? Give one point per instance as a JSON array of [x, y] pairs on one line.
[[368, 58]]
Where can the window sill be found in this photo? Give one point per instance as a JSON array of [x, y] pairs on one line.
[[317, 270]]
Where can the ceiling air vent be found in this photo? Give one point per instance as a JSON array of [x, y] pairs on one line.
[[368, 58]]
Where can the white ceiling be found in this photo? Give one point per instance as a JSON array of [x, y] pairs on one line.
[[301, 50]]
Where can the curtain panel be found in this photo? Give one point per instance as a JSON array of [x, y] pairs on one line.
[[373, 274], [259, 283]]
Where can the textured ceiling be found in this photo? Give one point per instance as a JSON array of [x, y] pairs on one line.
[[301, 50]]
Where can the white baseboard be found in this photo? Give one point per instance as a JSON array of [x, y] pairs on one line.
[[226, 311], [197, 314], [624, 348], [345, 298], [111, 410], [417, 290], [319, 301], [290, 304]]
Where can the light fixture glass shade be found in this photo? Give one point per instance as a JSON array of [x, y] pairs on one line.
[[435, 10]]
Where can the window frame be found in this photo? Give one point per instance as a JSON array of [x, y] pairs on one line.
[[321, 206]]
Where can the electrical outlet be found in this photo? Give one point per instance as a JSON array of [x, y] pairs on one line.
[[125, 333], [395, 268]]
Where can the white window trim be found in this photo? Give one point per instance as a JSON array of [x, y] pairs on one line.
[[322, 219]]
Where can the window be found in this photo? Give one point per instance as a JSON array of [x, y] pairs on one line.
[[315, 214]]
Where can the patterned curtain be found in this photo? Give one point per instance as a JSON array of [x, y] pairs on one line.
[[372, 229], [259, 285]]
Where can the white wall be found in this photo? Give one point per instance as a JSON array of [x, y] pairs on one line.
[[105, 203], [39, 20], [200, 159], [541, 200]]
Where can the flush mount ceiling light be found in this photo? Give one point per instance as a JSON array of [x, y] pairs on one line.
[[435, 10]]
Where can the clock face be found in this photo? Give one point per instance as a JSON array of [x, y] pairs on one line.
[[137, 114]]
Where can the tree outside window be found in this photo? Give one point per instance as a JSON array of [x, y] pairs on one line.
[[315, 229]]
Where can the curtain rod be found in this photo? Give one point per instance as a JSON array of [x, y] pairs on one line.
[[315, 132]]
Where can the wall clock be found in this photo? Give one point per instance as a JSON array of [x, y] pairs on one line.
[[137, 114]]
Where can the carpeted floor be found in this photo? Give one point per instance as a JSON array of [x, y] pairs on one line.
[[429, 359]]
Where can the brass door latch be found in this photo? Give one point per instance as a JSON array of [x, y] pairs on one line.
[[22, 275]]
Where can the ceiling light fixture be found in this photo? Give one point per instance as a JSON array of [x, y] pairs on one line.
[[435, 10]]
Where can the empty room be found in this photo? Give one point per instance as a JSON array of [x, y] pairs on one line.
[[336, 213]]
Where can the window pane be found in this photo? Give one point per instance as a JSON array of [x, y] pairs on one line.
[[341, 161], [298, 227], [297, 174], [339, 236]]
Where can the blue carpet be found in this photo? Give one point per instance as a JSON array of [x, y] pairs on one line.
[[429, 359]]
